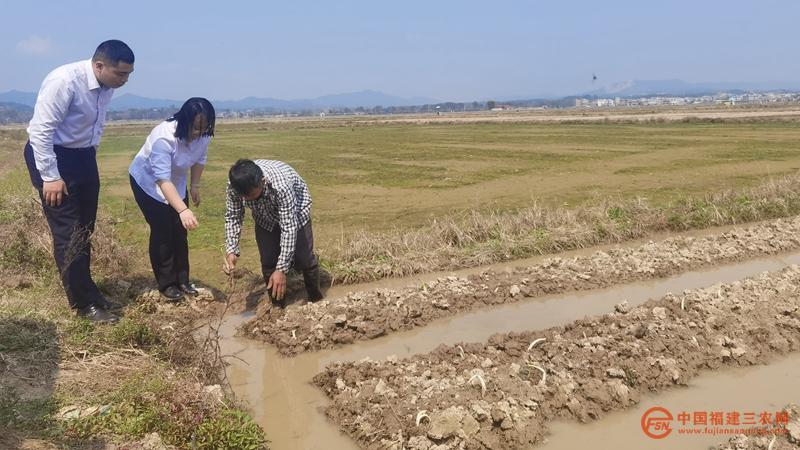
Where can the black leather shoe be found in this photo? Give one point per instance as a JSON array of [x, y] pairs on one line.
[[189, 289], [172, 293], [97, 314], [106, 304]]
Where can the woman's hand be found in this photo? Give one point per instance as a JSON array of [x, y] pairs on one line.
[[195, 193], [188, 220]]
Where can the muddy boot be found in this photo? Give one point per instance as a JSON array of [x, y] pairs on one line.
[[311, 280]]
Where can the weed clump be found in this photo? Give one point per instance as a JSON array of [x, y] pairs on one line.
[[180, 411]]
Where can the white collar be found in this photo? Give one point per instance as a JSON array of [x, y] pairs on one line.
[[91, 78]]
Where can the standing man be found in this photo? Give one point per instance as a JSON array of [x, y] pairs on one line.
[[281, 206], [63, 135]]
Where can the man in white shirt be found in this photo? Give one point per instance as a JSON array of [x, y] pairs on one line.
[[63, 135]]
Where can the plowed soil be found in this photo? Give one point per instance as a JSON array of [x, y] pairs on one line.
[[370, 314], [502, 394]]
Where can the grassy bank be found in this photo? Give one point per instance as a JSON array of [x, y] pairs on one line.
[[68, 383], [475, 238]]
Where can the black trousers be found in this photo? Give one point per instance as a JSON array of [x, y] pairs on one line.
[[169, 247], [72, 222], [269, 248]]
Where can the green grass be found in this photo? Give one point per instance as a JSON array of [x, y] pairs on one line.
[[146, 404], [26, 335], [28, 416]]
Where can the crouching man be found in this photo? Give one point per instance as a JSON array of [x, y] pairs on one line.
[[281, 207]]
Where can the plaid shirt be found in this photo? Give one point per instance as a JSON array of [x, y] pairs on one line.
[[285, 203]]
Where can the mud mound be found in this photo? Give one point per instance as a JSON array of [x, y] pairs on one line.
[[369, 314], [502, 394], [788, 440]]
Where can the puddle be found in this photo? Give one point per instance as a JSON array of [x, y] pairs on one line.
[[289, 408]]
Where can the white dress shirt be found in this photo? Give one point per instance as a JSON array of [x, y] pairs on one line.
[[70, 112], [165, 157]]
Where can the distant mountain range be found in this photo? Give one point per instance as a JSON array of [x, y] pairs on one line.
[[366, 99], [22, 98], [370, 99]]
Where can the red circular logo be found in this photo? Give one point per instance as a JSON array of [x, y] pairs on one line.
[[655, 422]]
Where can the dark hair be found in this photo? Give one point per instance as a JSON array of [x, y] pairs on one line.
[[112, 52], [245, 176], [192, 108]]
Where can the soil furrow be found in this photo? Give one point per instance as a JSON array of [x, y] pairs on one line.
[[502, 394], [370, 314]]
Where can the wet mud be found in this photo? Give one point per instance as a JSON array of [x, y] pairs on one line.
[[503, 393], [787, 438]]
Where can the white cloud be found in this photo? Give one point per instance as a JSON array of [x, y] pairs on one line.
[[34, 45]]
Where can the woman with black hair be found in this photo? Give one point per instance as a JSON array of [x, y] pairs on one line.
[[158, 176]]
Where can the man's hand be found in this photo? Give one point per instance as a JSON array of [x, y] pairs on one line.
[[195, 193], [230, 263], [188, 220], [54, 192], [277, 282]]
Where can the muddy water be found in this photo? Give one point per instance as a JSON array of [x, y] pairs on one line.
[[289, 408], [753, 389]]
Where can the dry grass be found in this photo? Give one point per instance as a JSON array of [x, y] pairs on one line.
[[476, 238], [28, 240], [153, 368]]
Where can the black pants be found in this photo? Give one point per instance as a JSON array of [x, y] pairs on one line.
[[72, 222], [269, 248], [169, 247]]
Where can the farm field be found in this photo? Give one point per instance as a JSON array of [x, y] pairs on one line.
[[381, 176], [499, 280], [520, 226], [515, 356]]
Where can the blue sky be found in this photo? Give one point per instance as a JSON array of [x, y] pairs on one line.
[[445, 50]]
